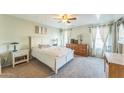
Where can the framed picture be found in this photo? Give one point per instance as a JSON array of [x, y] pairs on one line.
[[40, 30], [37, 29], [44, 30]]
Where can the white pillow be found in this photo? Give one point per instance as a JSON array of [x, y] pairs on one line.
[[43, 46]]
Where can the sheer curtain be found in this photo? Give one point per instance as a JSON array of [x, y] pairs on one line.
[[98, 43], [113, 38], [109, 41], [104, 32], [61, 37], [93, 31], [115, 27], [112, 41], [99, 35], [120, 37], [65, 37]]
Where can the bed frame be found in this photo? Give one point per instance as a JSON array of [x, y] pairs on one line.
[[54, 63]]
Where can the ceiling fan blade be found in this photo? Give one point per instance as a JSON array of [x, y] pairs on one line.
[[68, 22], [74, 18], [57, 18]]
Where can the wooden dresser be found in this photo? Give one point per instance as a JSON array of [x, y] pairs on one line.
[[114, 65], [79, 49]]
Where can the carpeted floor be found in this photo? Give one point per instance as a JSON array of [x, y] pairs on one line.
[[33, 69], [82, 67], [79, 67]]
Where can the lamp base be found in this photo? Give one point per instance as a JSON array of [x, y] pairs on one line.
[[15, 50]]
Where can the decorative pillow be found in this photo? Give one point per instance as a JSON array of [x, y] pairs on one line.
[[43, 46]]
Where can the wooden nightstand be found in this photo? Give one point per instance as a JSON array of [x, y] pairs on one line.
[[20, 56]]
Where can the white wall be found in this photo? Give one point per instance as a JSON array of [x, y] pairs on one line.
[[14, 29], [51, 34], [123, 49]]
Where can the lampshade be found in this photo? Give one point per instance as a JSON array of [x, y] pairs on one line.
[[14, 43]]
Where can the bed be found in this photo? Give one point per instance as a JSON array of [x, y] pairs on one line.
[[54, 57]]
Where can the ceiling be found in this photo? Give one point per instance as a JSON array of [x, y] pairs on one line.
[[82, 19]]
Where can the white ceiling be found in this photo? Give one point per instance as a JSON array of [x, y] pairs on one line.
[[82, 19]]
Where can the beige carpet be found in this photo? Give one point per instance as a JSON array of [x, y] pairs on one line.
[[80, 67], [34, 69]]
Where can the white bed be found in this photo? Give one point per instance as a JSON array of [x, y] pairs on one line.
[[54, 57]]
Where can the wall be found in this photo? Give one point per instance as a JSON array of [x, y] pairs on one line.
[[15, 29], [123, 49]]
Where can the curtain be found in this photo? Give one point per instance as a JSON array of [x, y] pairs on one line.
[[69, 35], [99, 36], [61, 38], [116, 36], [113, 38], [65, 37], [109, 41], [120, 37], [93, 31], [104, 32]]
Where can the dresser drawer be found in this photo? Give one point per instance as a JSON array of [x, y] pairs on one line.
[[82, 49], [79, 49]]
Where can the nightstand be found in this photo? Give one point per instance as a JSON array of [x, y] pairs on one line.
[[20, 56]]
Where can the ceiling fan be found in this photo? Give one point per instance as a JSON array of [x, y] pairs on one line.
[[65, 18]]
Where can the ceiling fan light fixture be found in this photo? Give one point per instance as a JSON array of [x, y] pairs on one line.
[[65, 18], [64, 21]]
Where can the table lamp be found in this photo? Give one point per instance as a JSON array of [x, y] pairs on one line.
[[14, 43]]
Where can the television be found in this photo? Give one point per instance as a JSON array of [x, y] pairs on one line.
[[74, 41]]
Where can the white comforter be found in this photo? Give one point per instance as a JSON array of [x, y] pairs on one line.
[[54, 51]]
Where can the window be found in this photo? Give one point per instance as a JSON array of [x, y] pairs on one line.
[[99, 42], [121, 33], [65, 37]]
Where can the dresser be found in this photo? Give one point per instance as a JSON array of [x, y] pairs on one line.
[[79, 49], [114, 65]]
